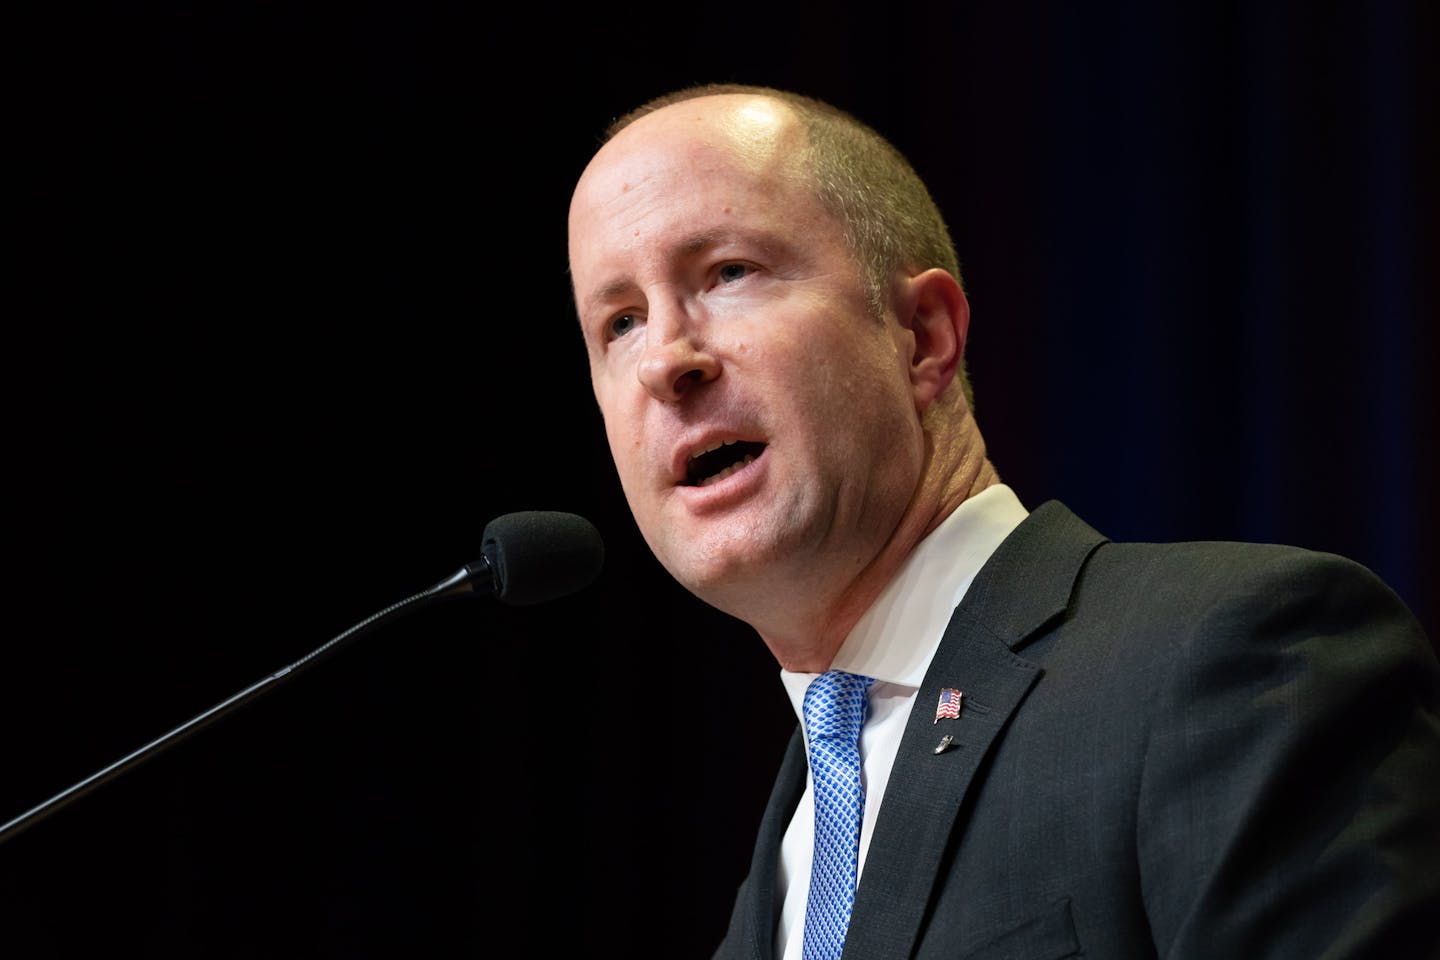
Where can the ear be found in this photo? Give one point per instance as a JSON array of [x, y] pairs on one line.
[[938, 318]]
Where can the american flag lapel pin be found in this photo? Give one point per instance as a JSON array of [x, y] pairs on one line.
[[949, 704]]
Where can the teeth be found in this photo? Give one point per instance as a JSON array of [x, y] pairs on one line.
[[713, 446], [728, 470]]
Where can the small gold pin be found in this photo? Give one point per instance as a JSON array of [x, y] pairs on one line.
[[944, 743]]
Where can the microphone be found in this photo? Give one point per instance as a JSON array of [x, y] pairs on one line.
[[526, 558], [538, 555]]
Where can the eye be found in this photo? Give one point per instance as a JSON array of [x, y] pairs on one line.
[[730, 272], [621, 325]]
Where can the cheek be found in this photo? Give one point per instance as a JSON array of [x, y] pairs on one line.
[[634, 470], [624, 445], [623, 442]]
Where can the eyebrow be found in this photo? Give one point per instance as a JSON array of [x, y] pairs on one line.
[[690, 246]]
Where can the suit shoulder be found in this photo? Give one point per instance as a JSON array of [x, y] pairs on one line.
[[1203, 570], [1220, 587]]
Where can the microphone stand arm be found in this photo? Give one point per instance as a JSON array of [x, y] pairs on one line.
[[473, 577]]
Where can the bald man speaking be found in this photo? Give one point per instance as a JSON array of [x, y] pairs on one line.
[[1015, 737]]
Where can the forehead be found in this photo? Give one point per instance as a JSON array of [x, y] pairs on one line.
[[727, 158], [740, 134]]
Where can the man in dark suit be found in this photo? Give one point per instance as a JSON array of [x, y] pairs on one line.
[[1066, 746]]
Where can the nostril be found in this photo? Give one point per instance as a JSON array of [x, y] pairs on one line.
[[669, 369], [690, 378]]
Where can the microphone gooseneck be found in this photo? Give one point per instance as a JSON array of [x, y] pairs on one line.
[[526, 558]]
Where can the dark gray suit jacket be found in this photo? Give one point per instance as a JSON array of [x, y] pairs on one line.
[[1200, 750]]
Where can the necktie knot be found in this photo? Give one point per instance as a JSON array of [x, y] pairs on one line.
[[835, 706]]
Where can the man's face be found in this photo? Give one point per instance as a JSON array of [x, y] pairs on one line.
[[761, 418]]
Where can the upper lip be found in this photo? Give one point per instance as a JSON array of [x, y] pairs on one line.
[[700, 443]]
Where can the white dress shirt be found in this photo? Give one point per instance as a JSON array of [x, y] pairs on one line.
[[893, 642]]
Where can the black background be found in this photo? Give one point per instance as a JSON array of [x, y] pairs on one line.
[[292, 324]]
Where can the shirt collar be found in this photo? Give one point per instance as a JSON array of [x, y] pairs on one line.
[[897, 637]]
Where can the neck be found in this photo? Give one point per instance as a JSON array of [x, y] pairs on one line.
[[805, 637]]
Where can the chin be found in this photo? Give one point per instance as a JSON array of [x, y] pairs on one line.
[[733, 565], [706, 575]]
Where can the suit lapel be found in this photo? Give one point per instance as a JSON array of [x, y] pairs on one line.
[[754, 936], [1024, 585]]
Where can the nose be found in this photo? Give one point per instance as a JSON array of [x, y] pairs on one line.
[[673, 362]]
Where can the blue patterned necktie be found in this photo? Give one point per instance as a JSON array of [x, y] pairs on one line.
[[834, 712]]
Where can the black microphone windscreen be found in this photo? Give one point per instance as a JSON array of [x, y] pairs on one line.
[[540, 555]]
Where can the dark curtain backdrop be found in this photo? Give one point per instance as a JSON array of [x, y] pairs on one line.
[[292, 324]]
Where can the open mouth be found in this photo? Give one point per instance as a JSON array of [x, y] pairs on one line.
[[720, 461]]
